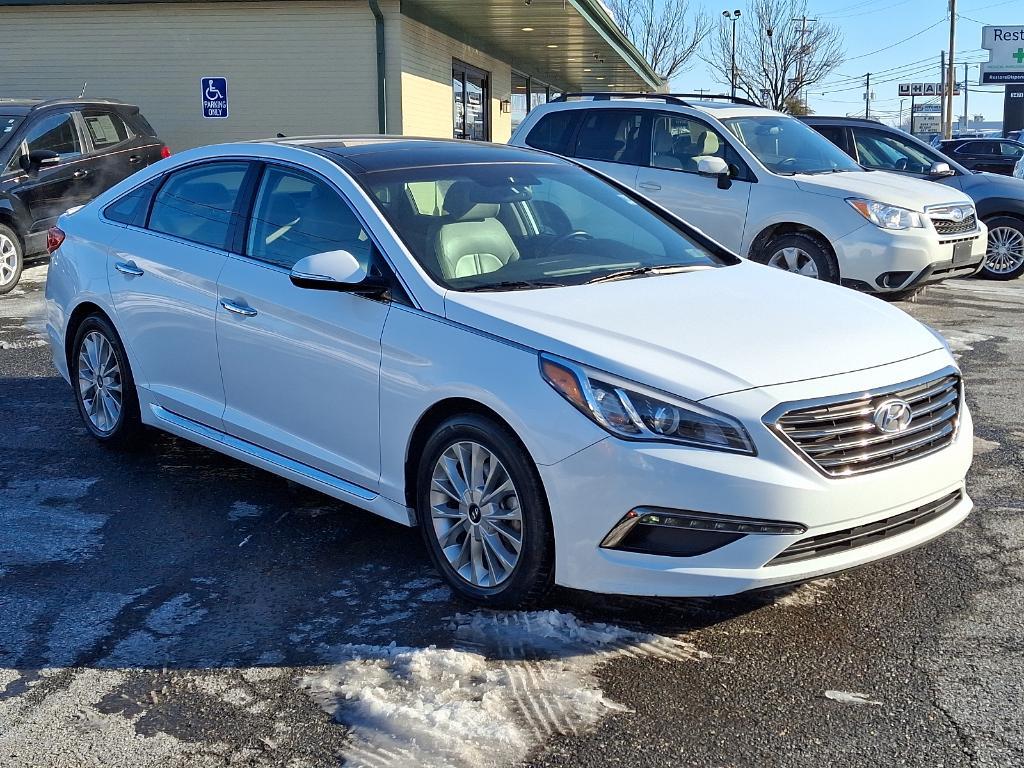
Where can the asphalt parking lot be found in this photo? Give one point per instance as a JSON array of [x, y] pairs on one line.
[[177, 608]]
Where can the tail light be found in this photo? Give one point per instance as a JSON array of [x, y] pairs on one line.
[[54, 237], [165, 152]]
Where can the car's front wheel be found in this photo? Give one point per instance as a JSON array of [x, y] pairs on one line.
[[12, 259], [1004, 259], [103, 383], [483, 513], [801, 253]]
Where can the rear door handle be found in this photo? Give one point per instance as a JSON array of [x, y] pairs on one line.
[[128, 268], [80, 174], [239, 309], [134, 159], [649, 185]]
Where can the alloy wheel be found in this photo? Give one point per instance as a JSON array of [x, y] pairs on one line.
[[99, 382], [8, 259], [1005, 250], [476, 514], [793, 259]]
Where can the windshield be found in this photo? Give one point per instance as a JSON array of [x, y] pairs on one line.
[[8, 124], [512, 226], [786, 146]]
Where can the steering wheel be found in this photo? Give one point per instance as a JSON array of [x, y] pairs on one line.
[[576, 234], [787, 164]]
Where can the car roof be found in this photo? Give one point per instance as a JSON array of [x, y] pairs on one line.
[[843, 119], [24, 106], [372, 153], [720, 110]]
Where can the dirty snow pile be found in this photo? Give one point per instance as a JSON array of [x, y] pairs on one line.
[[512, 681]]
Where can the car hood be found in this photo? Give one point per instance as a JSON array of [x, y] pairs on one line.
[[884, 187], [992, 185], [703, 333]]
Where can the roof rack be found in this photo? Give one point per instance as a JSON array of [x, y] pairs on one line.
[[669, 98], [714, 96]]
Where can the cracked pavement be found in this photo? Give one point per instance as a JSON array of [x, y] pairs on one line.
[[174, 607]]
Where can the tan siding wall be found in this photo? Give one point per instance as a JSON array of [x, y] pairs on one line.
[[296, 67], [427, 82]]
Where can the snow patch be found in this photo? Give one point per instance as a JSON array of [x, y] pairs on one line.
[[964, 341], [847, 697], [40, 522], [983, 446], [512, 681], [243, 510], [805, 595]]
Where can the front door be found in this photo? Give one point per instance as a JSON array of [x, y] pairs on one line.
[[471, 93], [678, 143], [301, 366], [163, 280]]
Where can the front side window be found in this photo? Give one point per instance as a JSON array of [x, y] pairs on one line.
[[55, 133], [105, 128], [612, 135], [296, 215], [786, 146], [196, 203], [1006, 149], [504, 226], [679, 143], [885, 152]]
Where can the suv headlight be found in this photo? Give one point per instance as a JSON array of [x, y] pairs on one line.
[[886, 216], [635, 412]]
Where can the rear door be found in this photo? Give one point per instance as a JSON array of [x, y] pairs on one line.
[[163, 281], [1009, 153], [614, 141], [678, 142], [114, 149]]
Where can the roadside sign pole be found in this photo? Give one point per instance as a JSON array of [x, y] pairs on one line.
[[913, 99], [951, 72]]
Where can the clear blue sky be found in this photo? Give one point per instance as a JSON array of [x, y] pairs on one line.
[[867, 27]]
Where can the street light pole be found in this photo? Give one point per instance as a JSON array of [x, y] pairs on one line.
[[733, 16]]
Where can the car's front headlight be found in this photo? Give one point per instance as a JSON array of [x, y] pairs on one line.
[[886, 216], [635, 412]]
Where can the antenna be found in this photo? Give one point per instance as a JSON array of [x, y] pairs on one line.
[[84, 86]]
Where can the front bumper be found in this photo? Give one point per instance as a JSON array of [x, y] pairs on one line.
[[591, 491], [869, 255]]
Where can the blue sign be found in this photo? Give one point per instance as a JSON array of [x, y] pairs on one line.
[[215, 97]]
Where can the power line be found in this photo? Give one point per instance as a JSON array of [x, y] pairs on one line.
[[900, 42]]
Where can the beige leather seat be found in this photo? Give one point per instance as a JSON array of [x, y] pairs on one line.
[[664, 156], [472, 241]]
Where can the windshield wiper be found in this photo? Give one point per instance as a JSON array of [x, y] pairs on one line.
[[513, 285], [661, 269]]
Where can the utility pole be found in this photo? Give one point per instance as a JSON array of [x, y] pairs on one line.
[[800, 65], [867, 95], [942, 94], [967, 119], [900, 123], [951, 71]]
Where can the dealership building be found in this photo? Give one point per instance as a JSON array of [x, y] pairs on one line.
[[206, 72]]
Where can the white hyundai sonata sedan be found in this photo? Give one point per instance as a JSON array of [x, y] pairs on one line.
[[554, 379]]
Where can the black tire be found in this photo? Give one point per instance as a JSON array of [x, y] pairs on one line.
[[127, 428], [812, 245], [8, 237], [533, 574], [1005, 223]]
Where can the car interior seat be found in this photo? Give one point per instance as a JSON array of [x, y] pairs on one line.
[[471, 241]]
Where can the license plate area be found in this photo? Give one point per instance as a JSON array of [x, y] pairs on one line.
[[962, 253]]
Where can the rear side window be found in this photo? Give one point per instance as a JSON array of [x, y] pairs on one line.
[[131, 207], [196, 203], [141, 124], [105, 128], [612, 135], [553, 132]]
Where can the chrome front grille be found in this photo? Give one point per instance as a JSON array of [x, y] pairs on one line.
[[953, 219], [840, 436]]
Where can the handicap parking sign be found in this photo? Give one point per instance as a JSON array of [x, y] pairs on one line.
[[215, 97]]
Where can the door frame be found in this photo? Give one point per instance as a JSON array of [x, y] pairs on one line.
[[459, 66]]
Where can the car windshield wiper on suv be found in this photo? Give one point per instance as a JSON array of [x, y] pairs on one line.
[[661, 269], [514, 285]]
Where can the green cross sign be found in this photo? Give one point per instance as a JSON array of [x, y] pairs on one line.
[[1019, 55]]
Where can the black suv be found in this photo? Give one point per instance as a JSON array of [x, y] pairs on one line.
[[58, 154], [991, 155], [999, 199]]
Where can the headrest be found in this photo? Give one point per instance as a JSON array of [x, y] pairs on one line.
[[709, 142], [663, 141], [460, 203]]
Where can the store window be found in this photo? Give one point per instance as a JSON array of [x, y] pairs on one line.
[[520, 99], [538, 93], [472, 95]]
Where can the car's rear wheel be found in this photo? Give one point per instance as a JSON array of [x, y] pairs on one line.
[[1004, 258], [12, 259], [103, 384], [483, 513], [801, 253]]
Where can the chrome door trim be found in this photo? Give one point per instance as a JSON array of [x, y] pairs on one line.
[[261, 454], [128, 268]]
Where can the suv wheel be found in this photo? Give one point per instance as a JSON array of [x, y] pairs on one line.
[[103, 384], [1004, 259], [483, 513], [801, 253], [12, 259]]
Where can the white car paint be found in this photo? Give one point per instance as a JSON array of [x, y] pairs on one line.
[[326, 388], [738, 217]]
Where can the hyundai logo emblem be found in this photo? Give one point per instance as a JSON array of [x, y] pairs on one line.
[[892, 416]]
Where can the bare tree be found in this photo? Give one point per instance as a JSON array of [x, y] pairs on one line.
[[664, 31], [777, 56]]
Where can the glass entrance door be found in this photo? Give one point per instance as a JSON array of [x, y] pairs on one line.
[[471, 94]]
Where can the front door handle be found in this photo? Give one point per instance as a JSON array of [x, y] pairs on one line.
[[128, 268], [239, 309], [81, 173], [134, 159], [653, 186]]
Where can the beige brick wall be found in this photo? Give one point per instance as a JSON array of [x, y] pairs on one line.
[[296, 67], [426, 82]]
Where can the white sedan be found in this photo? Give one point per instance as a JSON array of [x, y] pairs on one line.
[[554, 379]]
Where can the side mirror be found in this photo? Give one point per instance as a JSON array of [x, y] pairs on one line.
[[38, 158], [336, 271], [712, 166], [940, 169]]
